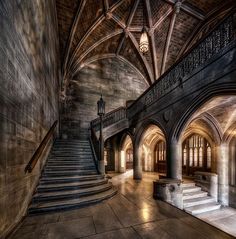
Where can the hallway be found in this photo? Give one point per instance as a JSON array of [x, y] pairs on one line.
[[132, 213]]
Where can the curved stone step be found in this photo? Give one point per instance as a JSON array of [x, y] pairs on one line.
[[67, 173], [69, 194], [60, 156], [72, 203], [50, 187], [62, 163], [68, 168], [64, 179]]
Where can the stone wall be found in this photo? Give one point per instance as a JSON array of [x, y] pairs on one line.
[[29, 76], [117, 82]]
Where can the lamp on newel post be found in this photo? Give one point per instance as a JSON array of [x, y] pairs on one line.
[[101, 112]]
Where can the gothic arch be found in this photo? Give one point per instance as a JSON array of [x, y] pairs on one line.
[[197, 102]]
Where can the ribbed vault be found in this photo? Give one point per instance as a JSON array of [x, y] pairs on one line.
[[90, 29]]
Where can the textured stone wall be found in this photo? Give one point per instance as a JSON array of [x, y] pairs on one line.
[[118, 83], [29, 79]]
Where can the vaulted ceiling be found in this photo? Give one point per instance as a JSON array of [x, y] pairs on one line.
[[95, 29]]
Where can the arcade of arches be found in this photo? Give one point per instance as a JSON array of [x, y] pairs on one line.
[[206, 143]]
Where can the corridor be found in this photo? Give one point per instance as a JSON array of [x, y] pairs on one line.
[[132, 213]]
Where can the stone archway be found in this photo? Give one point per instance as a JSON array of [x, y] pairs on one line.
[[125, 153], [149, 137], [212, 119]]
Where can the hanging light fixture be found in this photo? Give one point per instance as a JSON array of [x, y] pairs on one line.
[[143, 44]]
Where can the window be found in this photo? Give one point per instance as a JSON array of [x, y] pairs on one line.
[[197, 154], [160, 157]]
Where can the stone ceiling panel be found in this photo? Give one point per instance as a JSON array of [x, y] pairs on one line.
[[90, 13], [183, 28], [66, 11], [205, 6], [129, 52], [122, 12]]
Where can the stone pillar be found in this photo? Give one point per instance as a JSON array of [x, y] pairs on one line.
[[122, 162], [174, 159], [137, 163], [223, 173]]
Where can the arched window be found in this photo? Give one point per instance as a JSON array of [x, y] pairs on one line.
[[129, 158], [196, 154], [232, 163], [160, 157]]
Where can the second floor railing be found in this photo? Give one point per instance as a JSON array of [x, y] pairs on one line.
[[110, 118]]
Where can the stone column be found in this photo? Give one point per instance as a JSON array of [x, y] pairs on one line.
[[137, 162], [174, 159], [122, 162], [223, 173]]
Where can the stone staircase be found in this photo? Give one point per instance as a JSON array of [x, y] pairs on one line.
[[196, 201], [70, 179]]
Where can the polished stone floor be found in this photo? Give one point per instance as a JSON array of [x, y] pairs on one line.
[[132, 213]]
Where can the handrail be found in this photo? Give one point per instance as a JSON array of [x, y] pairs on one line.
[[110, 118], [33, 161]]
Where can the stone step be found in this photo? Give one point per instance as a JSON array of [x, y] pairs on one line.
[[70, 152], [65, 179], [50, 187], [72, 159], [46, 207], [184, 185], [191, 189], [70, 194], [192, 195], [67, 173], [64, 144], [68, 168], [72, 148], [197, 201], [75, 163], [207, 207], [72, 155]]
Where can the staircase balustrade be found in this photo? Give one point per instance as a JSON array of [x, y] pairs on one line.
[[110, 118], [94, 142]]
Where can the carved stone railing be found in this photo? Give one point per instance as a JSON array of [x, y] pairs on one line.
[[94, 143], [110, 118], [196, 57]]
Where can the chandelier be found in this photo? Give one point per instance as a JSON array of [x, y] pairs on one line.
[[143, 43]]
